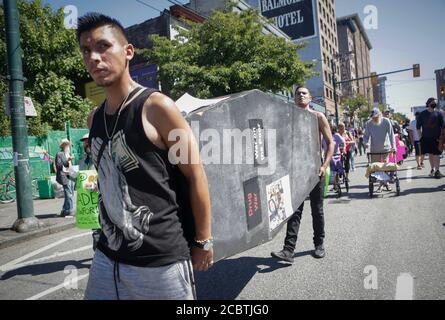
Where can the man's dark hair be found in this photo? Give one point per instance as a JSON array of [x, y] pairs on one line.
[[429, 101], [93, 20], [299, 87]]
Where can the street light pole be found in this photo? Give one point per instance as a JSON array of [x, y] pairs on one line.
[[25, 207], [334, 84]]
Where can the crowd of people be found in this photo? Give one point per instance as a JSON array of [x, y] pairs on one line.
[[384, 138], [132, 263]]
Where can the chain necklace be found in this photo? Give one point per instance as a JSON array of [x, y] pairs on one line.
[[110, 137]]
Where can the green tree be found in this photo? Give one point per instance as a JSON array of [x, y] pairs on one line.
[[52, 65], [358, 107], [227, 53], [399, 117]]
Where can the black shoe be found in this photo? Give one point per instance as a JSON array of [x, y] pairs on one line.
[[319, 251], [68, 214], [438, 175], [284, 255]]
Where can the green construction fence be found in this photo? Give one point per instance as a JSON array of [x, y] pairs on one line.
[[42, 152]]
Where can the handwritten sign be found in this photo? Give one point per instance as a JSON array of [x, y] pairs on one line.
[[87, 215]]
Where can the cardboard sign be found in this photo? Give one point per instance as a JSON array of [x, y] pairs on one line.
[[87, 214]]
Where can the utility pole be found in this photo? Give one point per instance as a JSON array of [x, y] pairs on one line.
[[25, 207], [334, 84], [415, 69]]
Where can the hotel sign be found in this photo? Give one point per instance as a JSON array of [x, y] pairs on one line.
[[296, 18]]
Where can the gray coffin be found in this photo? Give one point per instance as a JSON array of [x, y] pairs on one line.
[[253, 196]]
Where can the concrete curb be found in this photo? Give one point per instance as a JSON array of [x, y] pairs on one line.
[[16, 238]]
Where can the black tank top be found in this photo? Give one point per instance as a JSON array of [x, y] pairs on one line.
[[143, 197]]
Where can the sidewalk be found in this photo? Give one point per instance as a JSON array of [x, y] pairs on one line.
[[47, 211]]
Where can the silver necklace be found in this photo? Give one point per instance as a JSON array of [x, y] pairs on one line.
[[110, 137]]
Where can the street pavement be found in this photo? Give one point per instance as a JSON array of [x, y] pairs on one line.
[[46, 210], [388, 247]]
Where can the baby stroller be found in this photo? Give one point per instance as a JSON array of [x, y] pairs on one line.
[[382, 172], [338, 172]]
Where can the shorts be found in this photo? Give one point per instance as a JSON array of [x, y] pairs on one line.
[[336, 164], [430, 146], [110, 280], [417, 148]]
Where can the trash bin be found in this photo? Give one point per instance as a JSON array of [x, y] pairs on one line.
[[45, 189]]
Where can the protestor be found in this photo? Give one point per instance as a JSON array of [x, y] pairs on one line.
[[415, 141], [380, 131], [302, 100], [430, 123], [63, 163], [143, 250]]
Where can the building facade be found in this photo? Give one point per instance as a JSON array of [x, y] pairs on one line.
[[312, 22], [440, 83], [379, 91], [354, 56]]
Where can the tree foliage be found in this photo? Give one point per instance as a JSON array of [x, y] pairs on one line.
[[52, 65], [227, 53], [358, 106], [400, 118]]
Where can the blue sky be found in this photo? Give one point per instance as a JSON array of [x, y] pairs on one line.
[[408, 32]]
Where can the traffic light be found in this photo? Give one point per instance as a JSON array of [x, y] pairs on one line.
[[374, 79], [416, 70]]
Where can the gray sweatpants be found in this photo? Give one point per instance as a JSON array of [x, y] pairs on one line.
[[111, 281]]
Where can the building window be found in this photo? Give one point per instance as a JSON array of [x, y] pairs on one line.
[[327, 93]]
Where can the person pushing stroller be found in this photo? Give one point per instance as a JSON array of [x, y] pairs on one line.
[[383, 143]]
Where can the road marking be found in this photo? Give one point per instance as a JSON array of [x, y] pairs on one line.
[[56, 255], [8, 265], [58, 287], [405, 287], [409, 174]]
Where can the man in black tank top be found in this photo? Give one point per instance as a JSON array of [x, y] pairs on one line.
[[147, 204]]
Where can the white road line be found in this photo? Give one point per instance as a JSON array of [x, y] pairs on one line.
[[58, 287], [7, 266], [56, 255], [405, 287], [409, 174]]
